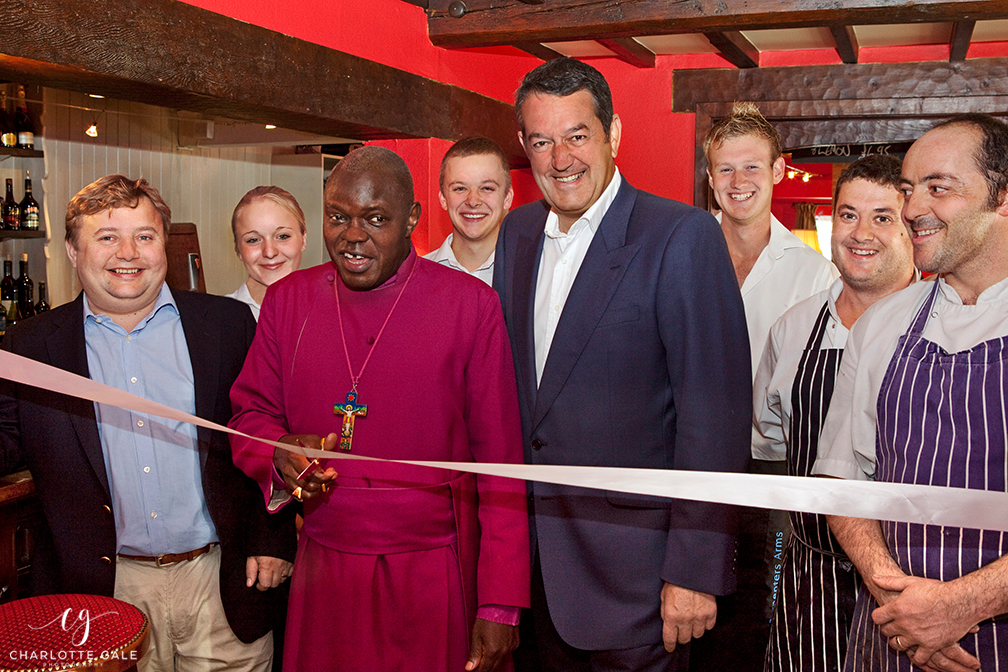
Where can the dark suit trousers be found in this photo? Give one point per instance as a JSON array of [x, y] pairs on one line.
[[543, 650]]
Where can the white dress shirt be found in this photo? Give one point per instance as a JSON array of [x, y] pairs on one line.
[[850, 423], [561, 259], [779, 365], [787, 271], [242, 294], [446, 256]]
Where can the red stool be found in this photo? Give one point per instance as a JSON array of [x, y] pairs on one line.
[[71, 632]]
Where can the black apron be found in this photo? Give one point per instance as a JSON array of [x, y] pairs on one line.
[[819, 585]]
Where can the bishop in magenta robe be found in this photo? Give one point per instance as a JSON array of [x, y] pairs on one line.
[[394, 560]]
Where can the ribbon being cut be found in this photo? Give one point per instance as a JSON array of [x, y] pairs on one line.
[[956, 507]]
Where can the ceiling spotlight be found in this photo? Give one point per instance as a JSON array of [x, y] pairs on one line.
[[270, 127], [92, 131]]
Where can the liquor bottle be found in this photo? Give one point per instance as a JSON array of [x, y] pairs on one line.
[[8, 293], [29, 207], [11, 209], [23, 123], [25, 290], [3, 321], [8, 134], [42, 305]]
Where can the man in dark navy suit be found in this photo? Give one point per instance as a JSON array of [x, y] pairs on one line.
[[631, 350]]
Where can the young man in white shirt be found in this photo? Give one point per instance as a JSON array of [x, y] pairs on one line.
[[476, 192], [775, 270]]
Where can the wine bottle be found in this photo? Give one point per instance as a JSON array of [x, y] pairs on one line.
[[3, 322], [8, 293], [25, 290], [8, 134], [42, 305], [23, 123], [11, 209], [29, 207]]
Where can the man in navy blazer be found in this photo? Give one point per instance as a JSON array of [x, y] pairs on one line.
[[631, 350]]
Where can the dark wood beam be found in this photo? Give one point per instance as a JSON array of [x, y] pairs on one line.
[[540, 51], [962, 33], [735, 48], [492, 22], [630, 51], [175, 55], [846, 43], [981, 77]]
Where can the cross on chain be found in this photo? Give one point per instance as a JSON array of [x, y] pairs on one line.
[[349, 409]]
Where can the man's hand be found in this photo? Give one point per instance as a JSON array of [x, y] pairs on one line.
[[490, 643], [686, 615], [269, 571], [927, 619], [291, 465]]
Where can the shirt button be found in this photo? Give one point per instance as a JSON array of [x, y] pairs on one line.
[[563, 261], [146, 470], [98, 320], [153, 514], [133, 379], [934, 314], [557, 308], [139, 423], [129, 338]]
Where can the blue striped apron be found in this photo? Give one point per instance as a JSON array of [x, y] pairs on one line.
[[941, 421], [819, 585]]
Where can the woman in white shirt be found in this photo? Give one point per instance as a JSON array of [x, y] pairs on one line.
[[269, 234]]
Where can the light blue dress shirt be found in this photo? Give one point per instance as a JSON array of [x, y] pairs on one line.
[[152, 463]]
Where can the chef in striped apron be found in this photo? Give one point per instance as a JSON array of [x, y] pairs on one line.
[[921, 398], [794, 383]]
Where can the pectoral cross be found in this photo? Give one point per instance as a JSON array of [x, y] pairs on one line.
[[349, 410]]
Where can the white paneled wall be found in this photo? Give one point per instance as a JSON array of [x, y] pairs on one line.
[[199, 185]]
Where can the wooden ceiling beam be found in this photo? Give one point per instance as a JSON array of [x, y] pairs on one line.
[[175, 55], [540, 51], [492, 22], [886, 84], [962, 33], [630, 51], [735, 48], [846, 43]]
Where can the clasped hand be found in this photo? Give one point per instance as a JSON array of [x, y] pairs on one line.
[[291, 465], [925, 619]]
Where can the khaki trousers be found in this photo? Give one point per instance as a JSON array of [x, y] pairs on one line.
[[188, 629]]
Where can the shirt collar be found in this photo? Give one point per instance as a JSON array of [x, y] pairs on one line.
[[446, 254], [781, 239], [592, 216], [996, 292], [164, 298]]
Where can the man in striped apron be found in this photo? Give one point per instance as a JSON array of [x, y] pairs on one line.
[[921, 398], [794, 384]]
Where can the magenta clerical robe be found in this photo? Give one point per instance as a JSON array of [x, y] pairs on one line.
[[394, 560]]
